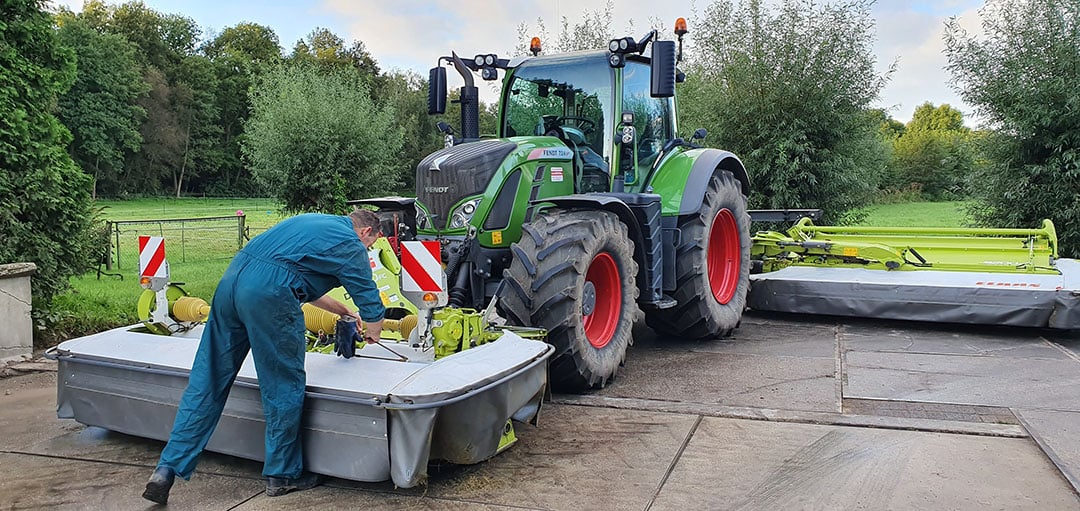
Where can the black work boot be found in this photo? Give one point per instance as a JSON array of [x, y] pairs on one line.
[[157, 489], [278, 486]]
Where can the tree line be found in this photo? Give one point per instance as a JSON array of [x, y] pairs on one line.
[[160, 107], [121, 100]]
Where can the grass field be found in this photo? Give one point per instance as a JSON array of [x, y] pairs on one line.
[[917, 214], [96, 304]]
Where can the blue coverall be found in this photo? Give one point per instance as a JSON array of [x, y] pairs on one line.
[[257, 306]]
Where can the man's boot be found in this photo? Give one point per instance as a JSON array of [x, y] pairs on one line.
[[278, 486], [157, 489]]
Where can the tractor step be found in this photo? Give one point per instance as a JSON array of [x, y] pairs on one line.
[[1042, 300]]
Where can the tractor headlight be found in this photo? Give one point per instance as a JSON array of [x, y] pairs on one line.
[[422, 219], [462, 215]]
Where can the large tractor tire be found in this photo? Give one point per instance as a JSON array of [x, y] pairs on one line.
[[573, 274], [712, 266]]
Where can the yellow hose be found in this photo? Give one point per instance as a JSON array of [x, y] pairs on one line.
[[319, 320], [190, 308]]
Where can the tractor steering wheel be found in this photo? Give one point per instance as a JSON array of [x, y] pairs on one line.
[[583, 124]]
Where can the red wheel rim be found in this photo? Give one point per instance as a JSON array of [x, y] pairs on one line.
[[600, 324], [724, 256]]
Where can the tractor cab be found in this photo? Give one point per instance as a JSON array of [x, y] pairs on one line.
[[570, 98], [614, 109], [580, 99]]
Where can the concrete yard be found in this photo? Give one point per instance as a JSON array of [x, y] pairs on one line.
[[794, 412]]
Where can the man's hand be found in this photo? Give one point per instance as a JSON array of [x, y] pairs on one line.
[[373, 331]]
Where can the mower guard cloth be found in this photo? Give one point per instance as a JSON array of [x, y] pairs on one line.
[[983, 298], [365, 419]]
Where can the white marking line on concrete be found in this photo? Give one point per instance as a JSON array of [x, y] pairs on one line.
[[804, 417]]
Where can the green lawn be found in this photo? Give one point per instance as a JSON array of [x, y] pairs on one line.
[[261, 213], [97, 304], [917, 214]]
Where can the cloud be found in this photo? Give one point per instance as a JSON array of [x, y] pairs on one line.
[[914, 39]]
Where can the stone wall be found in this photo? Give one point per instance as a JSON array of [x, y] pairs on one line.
[[16, 328]]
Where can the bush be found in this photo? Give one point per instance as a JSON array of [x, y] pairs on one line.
[[315, 139], [44, 196], [788, 89], [1021, 77]]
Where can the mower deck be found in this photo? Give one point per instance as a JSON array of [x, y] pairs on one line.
[[366, 419], [1017, 299]]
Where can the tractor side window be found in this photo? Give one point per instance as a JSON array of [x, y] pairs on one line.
[[652, 116], [529, 101]]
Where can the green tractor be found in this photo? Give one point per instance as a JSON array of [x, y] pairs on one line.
[[586, 208]]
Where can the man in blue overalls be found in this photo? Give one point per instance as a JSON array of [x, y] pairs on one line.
[[256, 307]]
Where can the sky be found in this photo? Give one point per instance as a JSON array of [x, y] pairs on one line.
[[411, 35]]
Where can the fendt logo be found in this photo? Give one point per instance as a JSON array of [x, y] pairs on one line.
[[436, 189]]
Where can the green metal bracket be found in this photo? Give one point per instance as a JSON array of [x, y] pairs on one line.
[[910, 248]]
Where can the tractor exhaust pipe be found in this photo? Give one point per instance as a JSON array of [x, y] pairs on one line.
[[470, 101]]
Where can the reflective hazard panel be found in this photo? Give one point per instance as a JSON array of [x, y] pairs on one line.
[[152, 257], [421, 266]]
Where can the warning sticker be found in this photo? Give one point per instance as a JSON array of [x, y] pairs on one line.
[[556, 174], [496, 237]]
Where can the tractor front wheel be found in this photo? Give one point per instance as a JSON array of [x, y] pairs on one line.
[[712, 266], [573, 274]]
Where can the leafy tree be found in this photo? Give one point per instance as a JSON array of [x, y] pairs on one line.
[[44, 196], [406, 93], [101, 108], [327, 50], [317, 139], [1021, 77], [252, 42], [163, 139], [935, 153], [197, 113], [163, 39], [788, 89], [240, 54]]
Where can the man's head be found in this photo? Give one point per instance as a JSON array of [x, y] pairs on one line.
[[366, 225]]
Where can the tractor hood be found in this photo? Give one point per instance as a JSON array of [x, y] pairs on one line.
[[447, 175]]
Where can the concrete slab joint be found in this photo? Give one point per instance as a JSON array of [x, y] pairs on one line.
[[17, 334]]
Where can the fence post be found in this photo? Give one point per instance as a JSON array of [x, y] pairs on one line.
[[109, 226], [240, 230], [117, 244]]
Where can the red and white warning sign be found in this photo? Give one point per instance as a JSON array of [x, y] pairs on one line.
[[152, 257], [422, 269]]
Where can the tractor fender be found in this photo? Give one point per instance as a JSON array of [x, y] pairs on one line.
[[599, 201], [706, 163]]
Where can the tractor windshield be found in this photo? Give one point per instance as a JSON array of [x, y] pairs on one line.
[[571, 93]]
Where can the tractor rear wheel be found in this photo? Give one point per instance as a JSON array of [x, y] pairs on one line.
[[573, 274], [712, 266]]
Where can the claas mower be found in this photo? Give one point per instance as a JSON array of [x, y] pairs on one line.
[[442, 384]]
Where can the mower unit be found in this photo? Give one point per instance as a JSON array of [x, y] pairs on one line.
[[976, 276], [443, 384]]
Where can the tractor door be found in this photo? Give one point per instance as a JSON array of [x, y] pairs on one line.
[[654, 119]]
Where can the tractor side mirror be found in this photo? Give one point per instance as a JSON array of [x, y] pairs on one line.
[[663, 69], [436, 97]]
